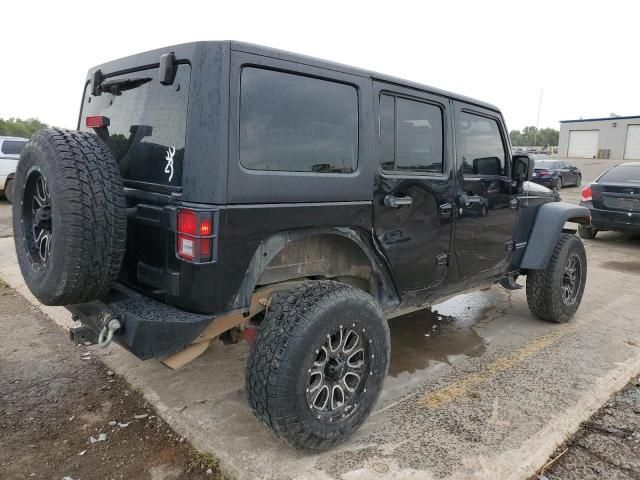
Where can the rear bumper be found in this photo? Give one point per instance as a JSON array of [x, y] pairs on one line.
[[628, 222], [150, 329], [547, 182]]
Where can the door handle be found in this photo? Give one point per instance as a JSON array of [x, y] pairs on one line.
[[445, 210], [397, 202], [467, 200]]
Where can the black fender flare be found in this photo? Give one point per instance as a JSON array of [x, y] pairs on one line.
[[384, 290], [546, 230]]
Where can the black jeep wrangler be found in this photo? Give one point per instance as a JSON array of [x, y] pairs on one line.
[[219, 188]]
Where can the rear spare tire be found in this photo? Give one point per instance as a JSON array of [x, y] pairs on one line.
[[69, 216]]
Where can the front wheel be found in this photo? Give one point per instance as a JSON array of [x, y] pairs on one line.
[[318, 363], [554, 294]]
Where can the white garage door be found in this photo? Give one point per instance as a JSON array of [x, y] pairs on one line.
[[632, 146], [583, 143]]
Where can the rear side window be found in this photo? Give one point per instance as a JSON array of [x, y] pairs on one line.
[[410, 135], [622, 174], [296, 123], [13, 147], [147, 123], [480, 147]]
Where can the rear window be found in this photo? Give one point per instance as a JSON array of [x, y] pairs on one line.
[[622, 174], [545, 164], [295, 123], [147, 124], [13, 147]]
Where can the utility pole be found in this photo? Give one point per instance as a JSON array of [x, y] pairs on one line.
[[535, 136]]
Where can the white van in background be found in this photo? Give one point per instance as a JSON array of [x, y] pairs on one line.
[[10, 149]]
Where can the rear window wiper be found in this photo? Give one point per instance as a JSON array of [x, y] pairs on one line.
[[119, 85]]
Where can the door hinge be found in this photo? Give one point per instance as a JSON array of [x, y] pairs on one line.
[[442, 259], [509, 246]]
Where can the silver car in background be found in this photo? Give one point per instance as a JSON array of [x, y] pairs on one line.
[[10, 149]]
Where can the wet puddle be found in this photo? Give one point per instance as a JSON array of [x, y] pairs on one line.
[[437, 333], [627, 267]]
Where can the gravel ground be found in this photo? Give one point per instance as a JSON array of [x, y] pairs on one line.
[[54, 398], [606, 446]]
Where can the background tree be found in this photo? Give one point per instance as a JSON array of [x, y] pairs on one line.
[[531, 136], [16, 127]]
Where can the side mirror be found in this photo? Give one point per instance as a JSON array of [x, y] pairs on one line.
[[522, 168]]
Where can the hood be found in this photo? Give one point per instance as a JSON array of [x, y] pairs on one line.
[[532, 188]]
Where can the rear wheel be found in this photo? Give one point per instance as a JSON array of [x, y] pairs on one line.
[[8, 190], [318, 363], [554, 294], [579, 181], [559, 184], [587, 232]]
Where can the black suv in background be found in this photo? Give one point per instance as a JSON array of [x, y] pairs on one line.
[[218, 188]]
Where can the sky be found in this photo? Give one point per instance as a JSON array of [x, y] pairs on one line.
[[582, 55]]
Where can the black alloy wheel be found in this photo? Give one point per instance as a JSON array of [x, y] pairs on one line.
[[335, 374], [571, 279], [36, 213]]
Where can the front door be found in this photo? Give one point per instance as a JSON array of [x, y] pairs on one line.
[[486, 201], [414, 185]]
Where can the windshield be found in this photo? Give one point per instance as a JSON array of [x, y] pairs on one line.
[[147, 124], [546, 164]]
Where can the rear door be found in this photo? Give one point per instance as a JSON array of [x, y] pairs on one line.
[[414, 185], [483, 237], [145, 129]]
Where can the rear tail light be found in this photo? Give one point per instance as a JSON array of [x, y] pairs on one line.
[[97, 121], [586, 195], [196, 236], [544, 172]]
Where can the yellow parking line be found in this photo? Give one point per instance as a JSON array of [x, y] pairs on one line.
[[467, 384]]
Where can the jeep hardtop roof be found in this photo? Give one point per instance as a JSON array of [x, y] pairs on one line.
[[206, 49]]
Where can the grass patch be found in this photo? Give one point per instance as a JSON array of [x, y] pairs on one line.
[[203, 460]]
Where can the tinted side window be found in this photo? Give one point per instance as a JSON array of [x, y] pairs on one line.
[[295, 123], [13, 147], [480, 148], [410, 135]]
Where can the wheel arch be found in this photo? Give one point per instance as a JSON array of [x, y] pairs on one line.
[[547, 228], [344, 254]]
